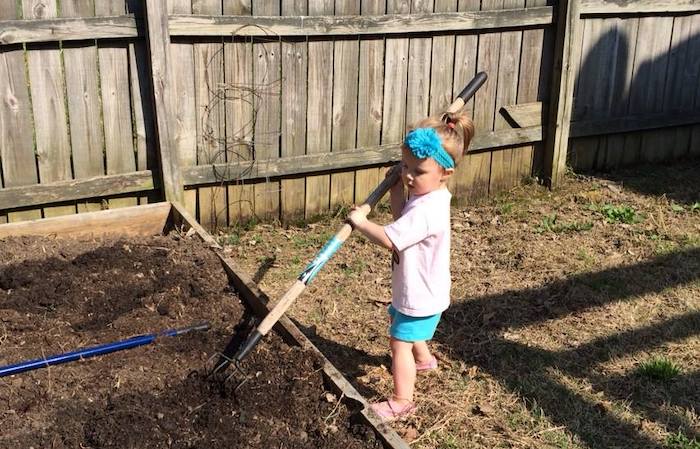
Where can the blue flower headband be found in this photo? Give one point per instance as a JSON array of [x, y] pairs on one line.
[[425, 143]]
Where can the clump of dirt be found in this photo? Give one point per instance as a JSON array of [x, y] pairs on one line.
[[58, 295]]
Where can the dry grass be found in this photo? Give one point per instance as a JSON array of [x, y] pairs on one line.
[[558, 298]]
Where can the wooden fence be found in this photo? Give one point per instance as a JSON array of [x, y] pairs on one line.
[[288, 108]]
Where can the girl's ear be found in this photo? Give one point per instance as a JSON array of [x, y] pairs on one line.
[[446, 173]]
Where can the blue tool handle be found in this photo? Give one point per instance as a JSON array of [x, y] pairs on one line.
[[93, 351]]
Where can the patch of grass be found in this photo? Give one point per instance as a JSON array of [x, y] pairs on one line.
[[680, 441], [695, 207], [618, 214], [354, 268], [549, 224], [230, 239], [505, 208], [677, 208], [586, 258], [659, 368], [310, 240]]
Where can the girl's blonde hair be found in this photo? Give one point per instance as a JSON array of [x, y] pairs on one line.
[[455, 129]]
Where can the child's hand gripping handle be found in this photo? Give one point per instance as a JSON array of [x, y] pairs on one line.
[[339, 238]]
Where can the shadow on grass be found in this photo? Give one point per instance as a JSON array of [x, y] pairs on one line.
[[536, 374]]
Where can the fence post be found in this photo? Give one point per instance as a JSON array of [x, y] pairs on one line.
[[567, 48], [158, 39]]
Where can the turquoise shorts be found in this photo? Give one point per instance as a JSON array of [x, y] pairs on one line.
[[412, 328]]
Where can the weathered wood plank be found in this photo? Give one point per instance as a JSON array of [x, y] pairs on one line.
[[652, 70], [523, 114], [442, 64], [531, 73], [16, 131], [182, 72], [211, 138], [369, 101], [479, 171], [397, 21], [47, 83], [145, 220], [345, 88], [483, 143], [67, 29], [319, 112], [566, 55], [163, 93], [595, 49], [395, 80], [267, 76], [618, 97], [466, 52], [694, 149], [610, 7], [505, 173], [76, 189], [683, 76], [113, 59], [238, 57], [84, 112], [419, 64]]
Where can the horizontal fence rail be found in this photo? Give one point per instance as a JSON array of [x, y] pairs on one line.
[[192, 25], [615, 7]]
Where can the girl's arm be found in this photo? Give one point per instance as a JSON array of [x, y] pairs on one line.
[[398, 199], [373, 231]]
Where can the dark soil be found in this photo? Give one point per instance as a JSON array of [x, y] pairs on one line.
[[59, 295]]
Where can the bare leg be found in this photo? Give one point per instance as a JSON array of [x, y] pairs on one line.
[[403, 368], [421, 352]]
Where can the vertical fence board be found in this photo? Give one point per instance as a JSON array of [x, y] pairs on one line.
[[441, 67], [142, 110], [466, 51], [479, 171], [654, 148], [682, 72], [319, 111], [16, 141], [113, 60], [238, 56], [369, 100], [504, 168], [47, 86], [419, 67], [84, 112], [395, 79], [185, 114], [294, 69], [345, 72], [694, 149], [582, 152], [528, 82], [209, 79], [620, 94], [267, 125]]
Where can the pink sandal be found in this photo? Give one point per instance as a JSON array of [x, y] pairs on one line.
[[427, 366], [392, 410]]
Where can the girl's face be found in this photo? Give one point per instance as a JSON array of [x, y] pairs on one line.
[[422, 176]]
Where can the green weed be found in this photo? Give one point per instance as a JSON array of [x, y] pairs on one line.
[[619, 214], [356, 267], [680, 441], [549, 224], [677, 208], [659, 368], [695, 207]]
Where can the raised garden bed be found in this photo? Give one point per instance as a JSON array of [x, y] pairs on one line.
[[59, 294]]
